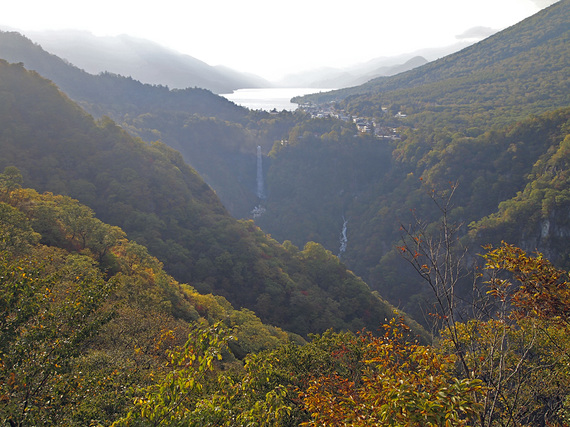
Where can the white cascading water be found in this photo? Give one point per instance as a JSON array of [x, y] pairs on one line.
[[343, 237], [259, 209]]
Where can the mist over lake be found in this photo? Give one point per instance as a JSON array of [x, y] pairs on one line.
[[269, 98]]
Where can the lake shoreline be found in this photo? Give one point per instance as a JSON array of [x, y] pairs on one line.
[[269, 99]]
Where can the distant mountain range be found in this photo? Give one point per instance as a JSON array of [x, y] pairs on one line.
[[93, 91], [143, 60], [339, 78], [358, 74], [151, 63]]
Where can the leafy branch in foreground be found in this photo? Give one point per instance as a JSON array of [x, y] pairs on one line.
[[544, 290], [171, 399], [515, 341]]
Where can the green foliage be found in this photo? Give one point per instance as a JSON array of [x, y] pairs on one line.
[[16, 233], [86, 314], [522, 366], [50, 303], [172, 398], [534, 216], [271, 389], [311, 385], [11, 179], [125, 344]]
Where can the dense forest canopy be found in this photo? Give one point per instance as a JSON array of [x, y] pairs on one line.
[[86, 313], [95, 332], [162, 203]]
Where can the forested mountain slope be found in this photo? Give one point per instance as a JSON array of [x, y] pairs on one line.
[[519, 71], [469, 123], [94, 332], [537, 216], [216, 137], [159, 201], [88, 314], [317, 185]]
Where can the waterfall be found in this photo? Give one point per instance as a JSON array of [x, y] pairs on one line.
[[343, 238], [260, 190], [259, 210]]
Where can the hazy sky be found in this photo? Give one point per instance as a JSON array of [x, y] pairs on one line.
[[274, 37]]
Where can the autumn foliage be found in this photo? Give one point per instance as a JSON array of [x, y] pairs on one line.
[[398, 383], [543, 291]]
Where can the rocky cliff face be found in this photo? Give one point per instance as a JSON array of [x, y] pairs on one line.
[[551, 237]]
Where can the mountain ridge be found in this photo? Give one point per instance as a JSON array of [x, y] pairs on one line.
[[352, 76], [143, 60], [501, 60], [98, 94]]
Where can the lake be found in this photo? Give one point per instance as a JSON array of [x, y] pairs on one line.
[[269, 98]]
